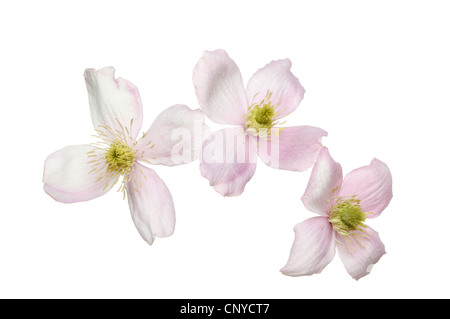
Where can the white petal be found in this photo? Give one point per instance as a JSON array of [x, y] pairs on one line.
[[323, 185], [174, 138], [229, 160], [151, 204], [112, 101], [371, 184], [291, 148], [359, 255], [219, 88], [74, 175], [313, 248], [277, 78]]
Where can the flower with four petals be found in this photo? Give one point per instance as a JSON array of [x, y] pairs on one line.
[[343, 204], [83, 172], [273, 92]]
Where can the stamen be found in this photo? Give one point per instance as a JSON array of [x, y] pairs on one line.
[[359, 241], [347, 218], [349, 245], [142, 172], [120, 124], [261, 117], [114, 157], [106, 127], [106, 185]]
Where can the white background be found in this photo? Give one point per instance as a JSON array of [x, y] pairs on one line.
[[377, 78]]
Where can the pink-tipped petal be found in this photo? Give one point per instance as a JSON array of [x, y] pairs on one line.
[[291, 148], [112, 101], [313, 248], [372, 185], [219, 88], [359, 255], [277, 78], [323, 185], [76, 173], [228, 161], [151, 204], [174, 138]]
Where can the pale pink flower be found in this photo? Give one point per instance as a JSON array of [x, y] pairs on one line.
[[83, 172], [272, 93], [343, 206]]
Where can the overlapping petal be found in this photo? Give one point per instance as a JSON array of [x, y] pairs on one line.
[[276, 77], [174, 138], [359, 255], [323, 185], [373, 186], [115, 104], [291, 148], [219, 88], [313, 247], [70, 175], [229, 160], [151, 204]]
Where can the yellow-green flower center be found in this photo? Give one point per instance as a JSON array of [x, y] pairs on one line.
[[262, 117], [116, 155], [347, 215], [119, 157]]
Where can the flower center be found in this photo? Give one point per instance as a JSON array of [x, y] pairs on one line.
[[347, 215], [114, 156], [119, 157], [261, 117]]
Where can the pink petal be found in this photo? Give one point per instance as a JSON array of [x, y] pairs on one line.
[[228, 161], [313, 248], [69, 175], [112, 101], [277, 78], [219, 88], [359, 257], [291, 148], [174, 138], [323, 185], [151, 204], [373, 186]]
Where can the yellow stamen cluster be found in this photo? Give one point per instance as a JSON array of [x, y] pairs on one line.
[[347, 219], [120, 157], [116, 156], [261, 117]]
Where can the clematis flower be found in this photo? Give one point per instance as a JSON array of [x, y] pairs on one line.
[[343, 206], [84, 172], [256, 112]]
